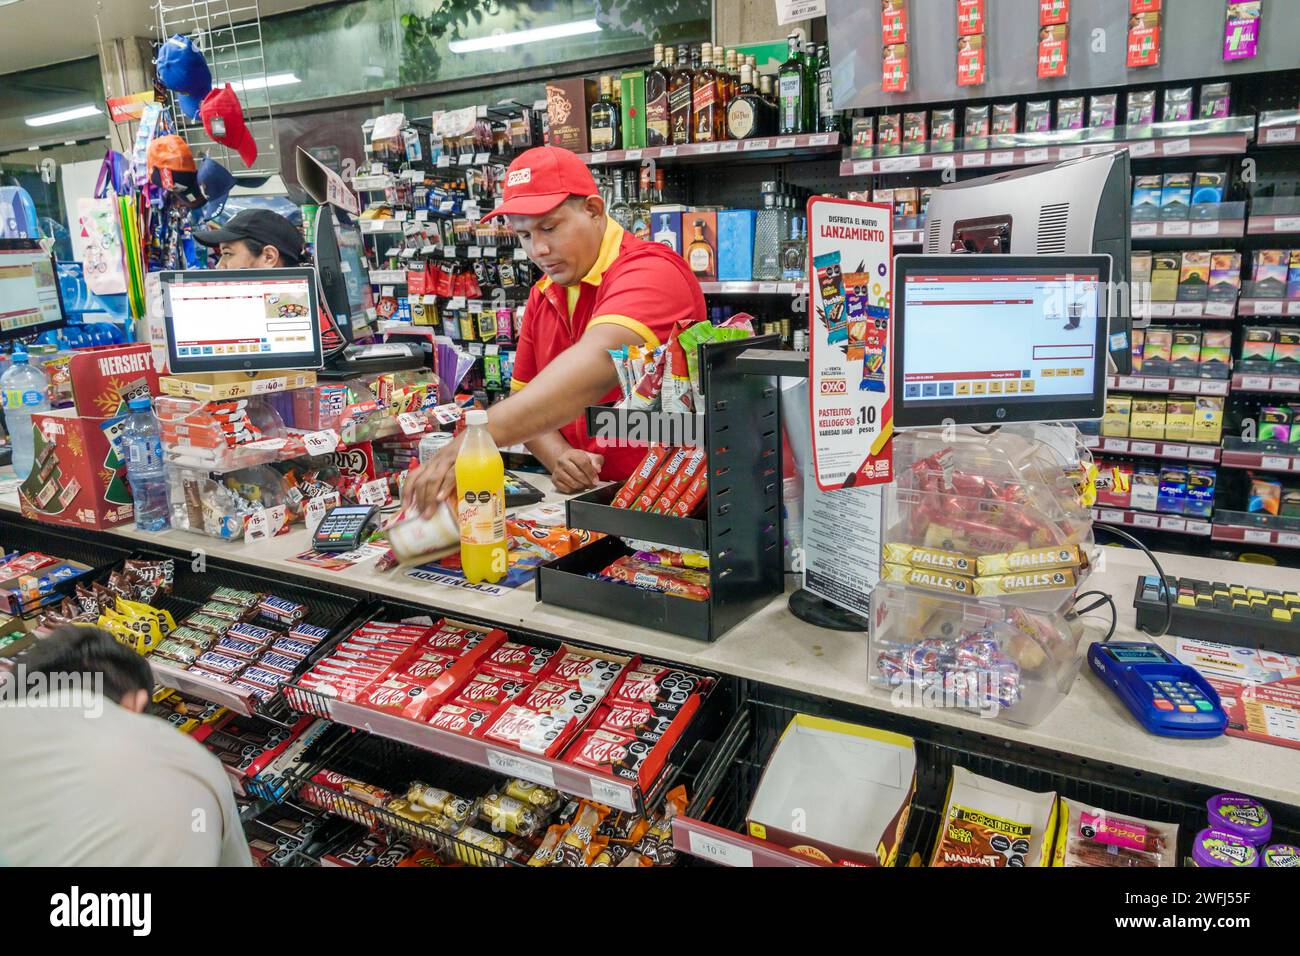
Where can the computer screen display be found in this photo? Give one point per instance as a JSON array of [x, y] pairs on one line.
[[352, 263], [989, 339], [229, 320], [29, 289]]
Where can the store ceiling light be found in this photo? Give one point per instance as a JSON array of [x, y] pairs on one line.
[[264, 82], [519, 37], [63, 116]]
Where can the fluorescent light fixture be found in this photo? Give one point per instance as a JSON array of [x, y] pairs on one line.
[[264, 82], [63, 116], [519, 37]]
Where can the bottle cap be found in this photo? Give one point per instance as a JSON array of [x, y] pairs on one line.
[[476, 416], [20, 358], [140, 404]]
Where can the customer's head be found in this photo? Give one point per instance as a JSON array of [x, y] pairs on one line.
[[73, 649], [254, 239], [555, 209]]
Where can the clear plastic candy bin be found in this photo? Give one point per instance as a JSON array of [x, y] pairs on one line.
[[217, 504], [999, 659], [220, 436]]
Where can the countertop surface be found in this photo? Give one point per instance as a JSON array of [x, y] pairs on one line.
[[776, 648]]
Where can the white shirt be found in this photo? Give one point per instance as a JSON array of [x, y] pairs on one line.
[[85, 782]]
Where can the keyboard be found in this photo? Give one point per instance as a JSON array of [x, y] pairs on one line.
[[1225, 613]]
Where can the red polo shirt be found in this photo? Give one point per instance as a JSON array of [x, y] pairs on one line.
[[642, 286]]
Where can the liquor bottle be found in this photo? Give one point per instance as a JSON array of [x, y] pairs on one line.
[[790, 84], [705, 98], [765, 91], [809, 87], [679, 99], [656, 97], [828, 121], [748, 114], [620, 209], [605, 119], [699, 254], [793, 249], [641, 206]]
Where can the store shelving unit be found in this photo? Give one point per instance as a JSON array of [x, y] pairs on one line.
[[1174, 451], [759, 149], [1280, 384], [1268, 307], [1261, 456], [1252, 528], [750, 288], [1165, 384], [1129, 518]]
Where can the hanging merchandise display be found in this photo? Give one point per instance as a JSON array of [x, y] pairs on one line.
[[1241, 30], [1143, 33]]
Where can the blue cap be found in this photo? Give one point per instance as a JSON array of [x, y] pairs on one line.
[[215, 182], [140, 404], [19, 358], [182, 69]]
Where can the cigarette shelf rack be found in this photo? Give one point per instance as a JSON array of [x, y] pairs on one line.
[[741, 529], [760, 149]]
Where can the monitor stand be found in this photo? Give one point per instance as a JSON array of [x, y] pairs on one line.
[[379, 357]]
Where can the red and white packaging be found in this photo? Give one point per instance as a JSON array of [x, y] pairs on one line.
[[398, 696], [517, 661], [529, 730], [592, 673], [454, 640], [610, 753], [662, 478], [690, 470], [487, 691], [459, 719], [645, 471], [560, 698], [425, 666], [652, 684], [692, 497], [642, 721]]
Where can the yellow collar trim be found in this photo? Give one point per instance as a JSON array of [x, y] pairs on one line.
[[610, 243]]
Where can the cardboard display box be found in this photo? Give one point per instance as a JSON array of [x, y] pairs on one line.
[[105, 380], [77, 477], [850, 787], [219, 386], [568, 106]]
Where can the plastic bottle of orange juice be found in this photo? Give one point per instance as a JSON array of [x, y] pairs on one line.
[[481, 503]]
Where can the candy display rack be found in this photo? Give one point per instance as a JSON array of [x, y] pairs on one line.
[[741, 529]]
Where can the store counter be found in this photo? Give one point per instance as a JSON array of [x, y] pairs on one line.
[[775, 648]]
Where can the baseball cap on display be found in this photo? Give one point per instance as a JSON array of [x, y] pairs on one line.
[[215, 182], [223, 118], [261, 225], [171, 166], [182, 69], [540, 179]]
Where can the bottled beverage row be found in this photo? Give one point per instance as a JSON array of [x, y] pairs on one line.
[[706, 94]]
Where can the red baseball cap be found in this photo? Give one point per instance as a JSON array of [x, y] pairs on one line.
[[223, 118], [542, 178]]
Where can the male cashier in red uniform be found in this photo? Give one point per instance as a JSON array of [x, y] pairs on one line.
[[603, 289]]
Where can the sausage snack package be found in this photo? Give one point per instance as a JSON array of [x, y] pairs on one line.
[[987, 823], [645, 471], [695, 465], [1091, 836], [661, 479]]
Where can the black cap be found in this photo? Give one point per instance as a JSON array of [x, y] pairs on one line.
[[260, 225]]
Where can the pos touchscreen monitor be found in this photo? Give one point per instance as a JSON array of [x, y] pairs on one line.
[[991, 339], [234, 320]]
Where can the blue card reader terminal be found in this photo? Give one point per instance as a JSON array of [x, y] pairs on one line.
[[1167, 697]]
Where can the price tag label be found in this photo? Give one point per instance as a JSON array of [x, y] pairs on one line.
[[943, 162], [1224, 309], [456, 303], [1146, 521], [449, 252], [1091, 441], [1130, 381], [1198, 527], [265, 523], [322, 442], [316, 508], [668, 152], [466, 159], [1037, 155], [1280, 134], [1202, 453], [421, 215], [734, 287], [613, 795], [632, 155], [1142, 148], [862, 167], [446, 414], [1192, 385], [755, 144], [974, 159], [428, 250], [1116, 444], [1175, 451], [1176, 147], [1218, 387], [1286, 224], [1070, 152], [1288, 540], [1156, 385], [820, 139], [785, 142], [1177, 228], [1274, 463], [387, 290], [400, 215], [1255, 383], [1161, 310], [1293, 308], [374, 492], [267, 385], [430, 299], [481, 158], [767, 288], [729, 854], [1144, 230], [706, 148], [475, 252], [410, 423], [1142, 447], [1286, 384], [1268, 306], [1210, 228], [444, 161], [1258, 537], [1005, 158], [730, 146], [1110, 516], [1173, 524], [517, 766], [521, 256]]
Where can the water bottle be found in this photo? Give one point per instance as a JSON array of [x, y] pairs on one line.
[[142, 443], [25, 390]]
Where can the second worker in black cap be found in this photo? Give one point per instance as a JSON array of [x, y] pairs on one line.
[[255, 239]]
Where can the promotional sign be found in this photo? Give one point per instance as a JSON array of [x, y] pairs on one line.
[[791, 11], [895, 70], [323, 184], [1241, 30], [1053, 50], [129, 108], [850, 248], [970, 17], [1143, 39], [971, 60]]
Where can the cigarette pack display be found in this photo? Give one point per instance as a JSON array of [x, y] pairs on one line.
[[1194, 276], [1140, 113], [1148, 418], [1265, 496], [1180, 419], [915, 130], [1216, 353], [1005, 123], [1225, 276], [889, 134], [1176, 104], [1115, 423], [1166, 269], [862, 132], [1216, 100], [1269, 273], [1208, 187], [1038, 116], [976, 127], [1274, 424], [1103, 111], [1286, 350], [972, 63], [1144, 489], [1199, 500], [1208, 426], [1069, 112], [1176, 195], [1146, 197]]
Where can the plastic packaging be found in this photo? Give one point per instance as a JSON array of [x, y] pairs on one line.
[[25, 391], [219, 436], [481, 503], [142, 447], [417, 536]]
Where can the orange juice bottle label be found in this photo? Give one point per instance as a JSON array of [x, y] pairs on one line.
[[482, 518]]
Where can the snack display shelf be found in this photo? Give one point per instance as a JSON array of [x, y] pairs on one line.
[[1178, 451], [1268, 307], [1265, 225], [1169, 384], [1254, 528], [1264, 456], [1127, 517], [736, 287], [774, 649], [593, 511], [1189, 229], [764, 148], [1208, 144], [1185, 310], [1248, 382]]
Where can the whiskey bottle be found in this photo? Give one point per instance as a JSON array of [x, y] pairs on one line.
[[699, 254], [748, 113], [809, 64], [605, 119], [765, 91], [828, 121], [679, 99], [705, 98], [656, 97], [789, 85]]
